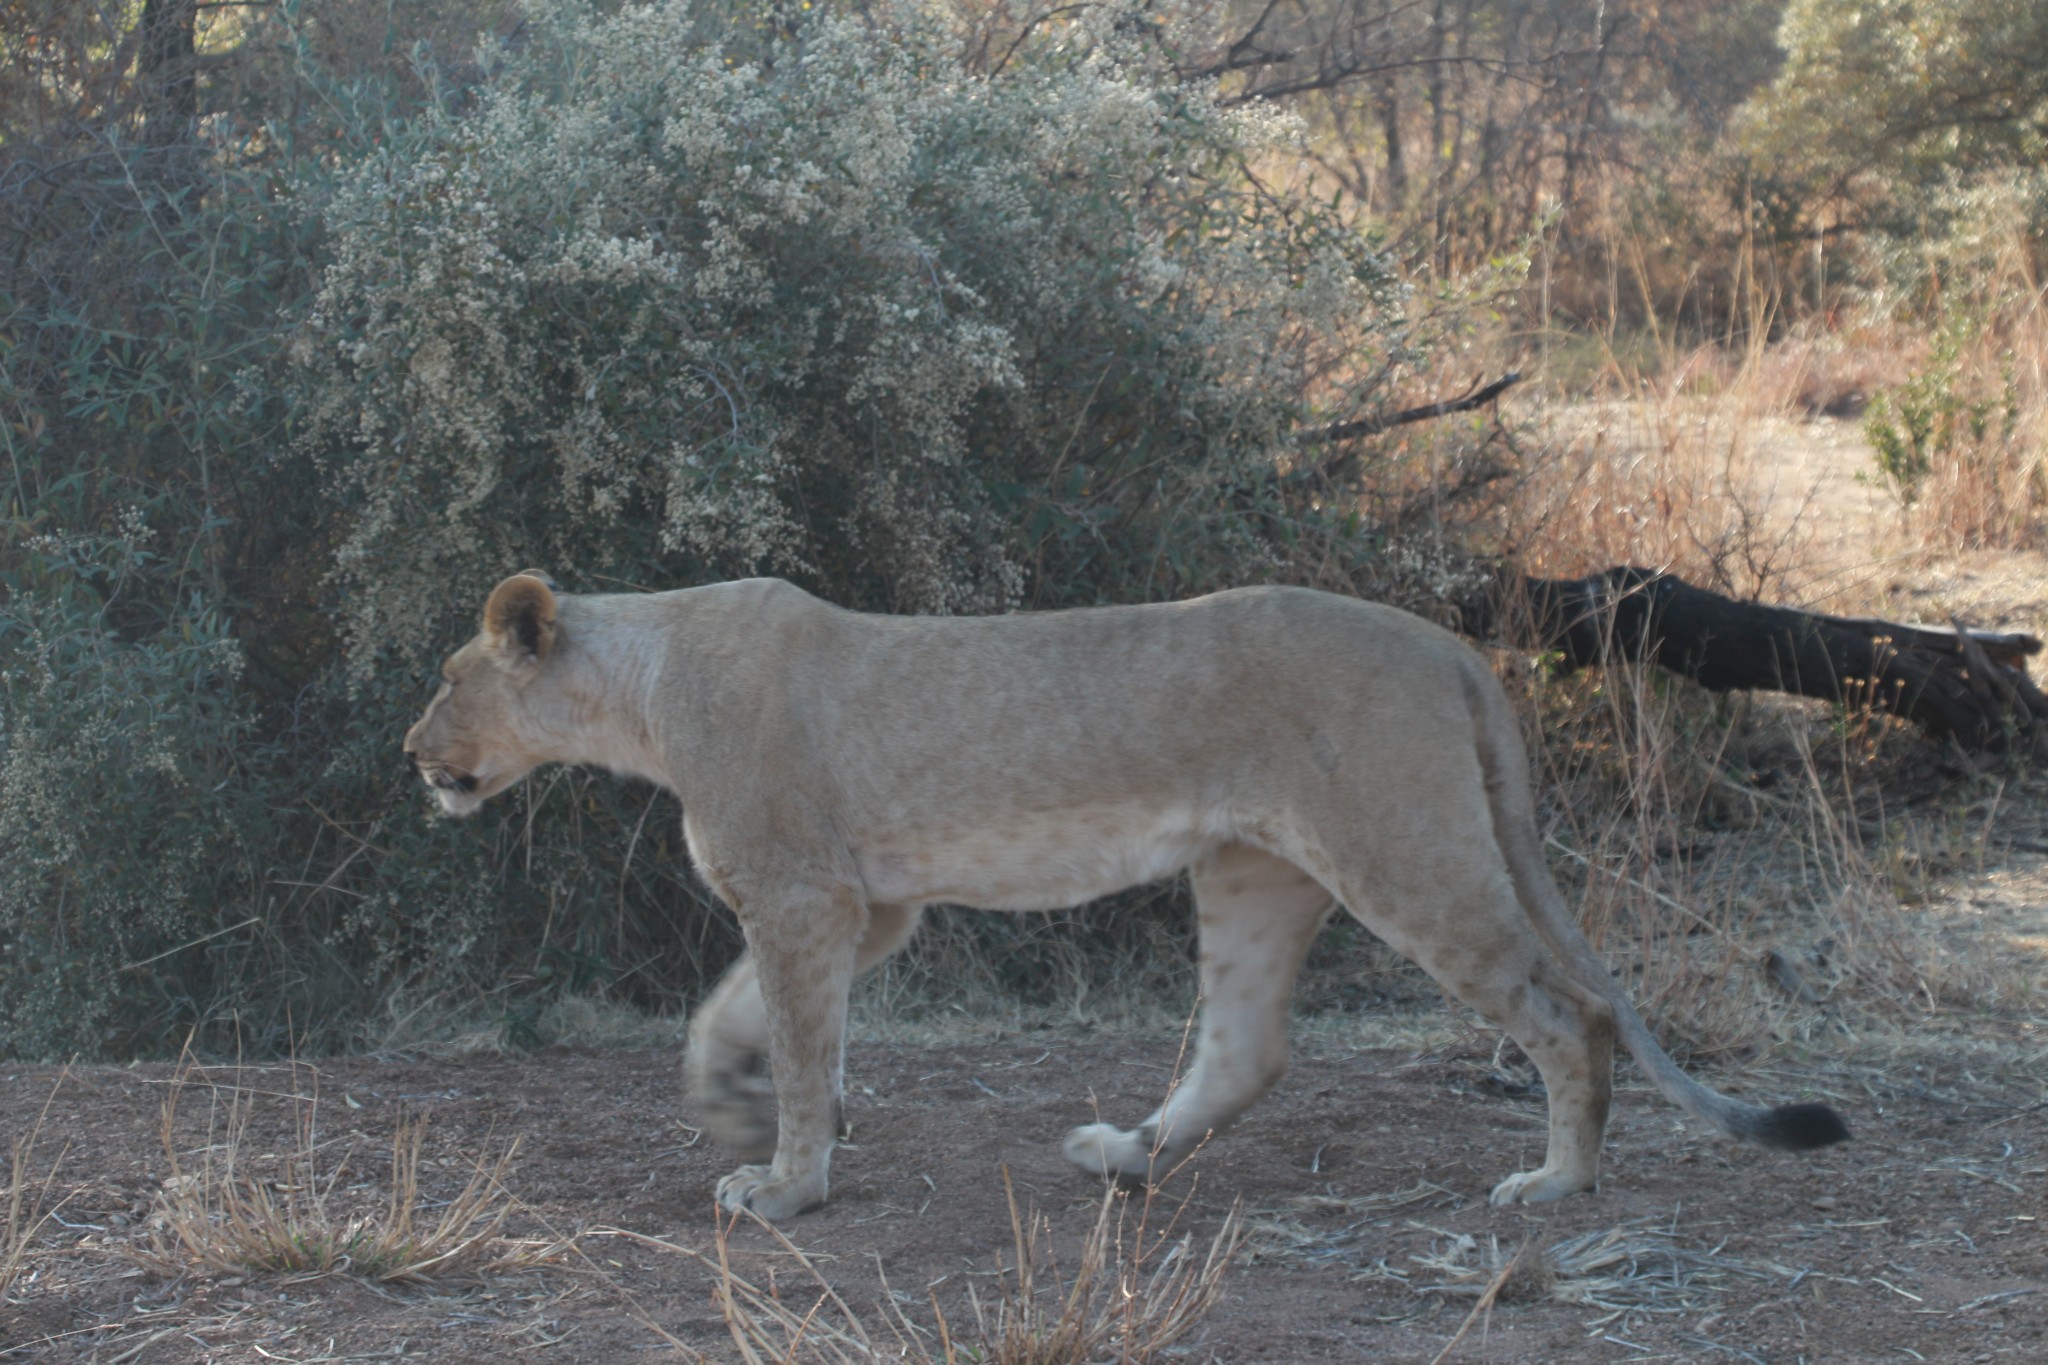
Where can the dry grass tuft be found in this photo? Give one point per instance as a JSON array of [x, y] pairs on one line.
[[1818, 373], [1679, 483], [1633, 1268], [244, 1212], [1133, 1291], [1290, 1235], [1961, 440], [1621, 1272], [1747, 857], [1527, 1277], [28, 1201], [1667, 847], [1749, 862]]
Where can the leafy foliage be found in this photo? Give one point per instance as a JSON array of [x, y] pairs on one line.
[[1907, 86], [119, 782], [1924, 419], [1959, 443], [831, 306]]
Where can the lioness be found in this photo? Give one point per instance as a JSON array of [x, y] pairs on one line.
[[1295, 750]]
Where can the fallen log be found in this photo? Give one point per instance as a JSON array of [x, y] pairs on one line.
[[1966, 685], [1969, 686]]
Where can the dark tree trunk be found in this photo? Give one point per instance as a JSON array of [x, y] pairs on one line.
[[1970, 686], [1388, 106], [169, 70]]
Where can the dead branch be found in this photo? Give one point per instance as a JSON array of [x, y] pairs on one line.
[[1370, 426]]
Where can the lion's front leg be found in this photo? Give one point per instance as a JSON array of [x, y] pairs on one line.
[[726, 1073], [804, 946]]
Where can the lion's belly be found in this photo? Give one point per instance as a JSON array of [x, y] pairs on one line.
[[1039, 861]]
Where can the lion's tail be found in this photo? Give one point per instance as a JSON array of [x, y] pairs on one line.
[[1790, 1127]]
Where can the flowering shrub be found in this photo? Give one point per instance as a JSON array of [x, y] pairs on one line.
[[670, 306]]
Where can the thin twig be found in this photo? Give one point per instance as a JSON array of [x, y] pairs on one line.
[[1485, 1303]]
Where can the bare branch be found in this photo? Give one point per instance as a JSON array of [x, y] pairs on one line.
[[1369, 426]]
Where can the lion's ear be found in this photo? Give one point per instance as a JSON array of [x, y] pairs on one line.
[[519, 620]]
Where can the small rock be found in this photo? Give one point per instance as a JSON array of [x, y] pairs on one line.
[[1824, 1202]]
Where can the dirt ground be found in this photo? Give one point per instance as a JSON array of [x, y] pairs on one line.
[[1363, 1178]]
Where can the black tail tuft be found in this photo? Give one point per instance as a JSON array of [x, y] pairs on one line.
[[1798, 1127]]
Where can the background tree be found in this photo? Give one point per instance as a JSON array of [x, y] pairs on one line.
[[1896, 93]]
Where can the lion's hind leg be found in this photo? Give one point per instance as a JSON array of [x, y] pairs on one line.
[[1569, 1033], [1257, 914], [726, 1071], [1479, 945]]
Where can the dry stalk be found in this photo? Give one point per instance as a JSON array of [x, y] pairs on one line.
[[764, 1326], [1638, 772], [1890, 960], [28, 1202], [761, 1322], [1672, 485], [1133, 1291], [1982, 410], [1484, 1306]]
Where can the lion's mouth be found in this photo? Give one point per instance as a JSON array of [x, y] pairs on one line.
[[444, 778]]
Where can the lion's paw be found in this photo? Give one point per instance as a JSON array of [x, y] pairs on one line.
[[754, 1189], [1539, 1187], [1113, 1153]]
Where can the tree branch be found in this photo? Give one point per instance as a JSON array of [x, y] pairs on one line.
[[1370, 426]]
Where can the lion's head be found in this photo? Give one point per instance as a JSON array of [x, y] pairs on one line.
[[487, 725]]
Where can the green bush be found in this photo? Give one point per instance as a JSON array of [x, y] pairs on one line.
[[1928, 419], [122, 744], [669, 307], [168, 742]]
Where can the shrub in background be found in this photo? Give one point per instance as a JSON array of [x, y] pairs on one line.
[[670, 307], [122, 784], [1963, 442]]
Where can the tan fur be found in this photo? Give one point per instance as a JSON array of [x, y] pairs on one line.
[[838, 771]]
